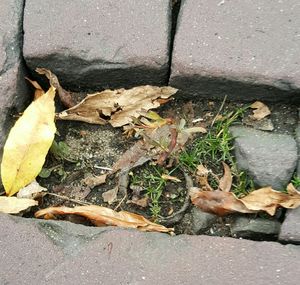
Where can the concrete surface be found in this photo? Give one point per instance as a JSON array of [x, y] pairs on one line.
[[13, 88], [244, 49], [47, 252], [99, 44]]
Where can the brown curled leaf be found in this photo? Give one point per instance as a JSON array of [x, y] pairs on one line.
[[64, 96], [102, 216], [226, 180]]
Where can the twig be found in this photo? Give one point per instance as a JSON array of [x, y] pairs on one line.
[[2, 193], [221, 107], [103, 167], [117, 207], [69, 199]]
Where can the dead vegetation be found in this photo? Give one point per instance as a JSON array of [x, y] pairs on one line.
[[172, 161]]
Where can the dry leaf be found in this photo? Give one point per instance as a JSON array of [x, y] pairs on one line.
[[78, 193], [110, 196], [142, 202], [101, 216], [264, 199], [218, 202], [120, 105], [268, 200], [161, 138], [202, 178], [93, 181], [28, 144], [32, 191], [171, 178], [64, 96], [185, 133], [224, 202], [14, 205], [136, 155], [226, 181], [261, 111], [38, 89], [172, 144]]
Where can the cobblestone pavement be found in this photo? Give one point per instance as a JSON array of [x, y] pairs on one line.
[[244, 49]]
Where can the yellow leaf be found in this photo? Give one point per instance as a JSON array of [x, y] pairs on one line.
[[14, 205], [28, 143]]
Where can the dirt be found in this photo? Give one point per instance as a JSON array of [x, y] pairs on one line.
[[93, 149]]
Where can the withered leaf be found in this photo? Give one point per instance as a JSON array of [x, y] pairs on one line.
[[136, 155], [110, 196], [261, 110], [264, 199], [14, 205], [120, 105], [64, 96], [32, 191], [268, 200], [218, 202], [226, 180], [101, 216], [38, 92], [93, 181], [202, 178], [141, 202]]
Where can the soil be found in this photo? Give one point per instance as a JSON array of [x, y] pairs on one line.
[[94, 148]]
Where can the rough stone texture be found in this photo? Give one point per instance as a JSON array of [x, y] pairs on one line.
[[26, 253], [13, 88], [47, 252], [241, 48], [258, 229], [297, 133], [202, 221], [95, 44], [290, 229], [269, 158]]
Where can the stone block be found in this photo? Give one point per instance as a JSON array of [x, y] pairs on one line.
[[290, 229], [269, 158], [54, 252], [13, 88], [99, 44], [244, 49]]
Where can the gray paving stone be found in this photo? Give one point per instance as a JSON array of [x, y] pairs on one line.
[[258, 229], [290, 229], [13, 88], [202, 221], [50, 252], [94, 44], [269, 158], [244, 49], [27, 255]]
